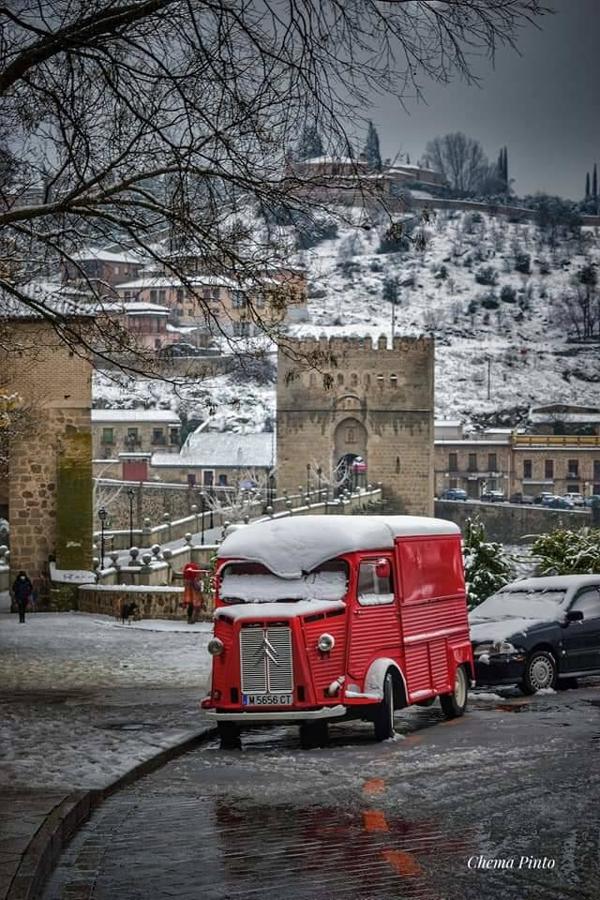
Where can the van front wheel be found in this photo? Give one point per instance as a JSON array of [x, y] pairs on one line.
[[454, 704], [383, 721]]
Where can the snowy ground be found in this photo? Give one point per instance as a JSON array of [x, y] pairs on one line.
[[523, 337], [84, 698]]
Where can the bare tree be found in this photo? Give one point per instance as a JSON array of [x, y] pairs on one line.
[[463, 163], [161, 126]]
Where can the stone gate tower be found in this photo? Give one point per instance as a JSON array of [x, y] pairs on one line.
[[375, 402]]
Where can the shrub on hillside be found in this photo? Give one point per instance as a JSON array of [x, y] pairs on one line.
[[490, 301], [523, 263], [508, 294], [486, 275]]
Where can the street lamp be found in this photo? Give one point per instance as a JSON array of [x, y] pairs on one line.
[[308, 479], [271, 490], [202, 512], [131, 495], [102, 516], [319, 471]]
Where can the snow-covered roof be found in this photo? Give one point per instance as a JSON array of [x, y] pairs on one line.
[[291, 546], [560, 412], [135, 415], [140, 308], [210, 450], [118, 256], [167, 281], [55, 303], [326, 160]]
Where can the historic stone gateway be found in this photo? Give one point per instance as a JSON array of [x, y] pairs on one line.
[[372, 402]]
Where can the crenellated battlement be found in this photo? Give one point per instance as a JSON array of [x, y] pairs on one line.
[[340, 345]]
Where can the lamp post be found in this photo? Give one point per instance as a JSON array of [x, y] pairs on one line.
[[131, 495], [319, 471], [307, 479], [202, 513], [271, 490], [102, 516]]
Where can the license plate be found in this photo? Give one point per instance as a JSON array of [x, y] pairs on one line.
[[267, 699]]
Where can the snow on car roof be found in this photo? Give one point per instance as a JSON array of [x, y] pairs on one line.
[[568, 583], [288, 547]]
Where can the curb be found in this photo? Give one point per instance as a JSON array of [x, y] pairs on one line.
[[45, 848]]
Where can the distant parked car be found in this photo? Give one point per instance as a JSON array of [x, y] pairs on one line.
[[493, 497], [539, 498], [518, 497], [537, 631], [592, 500], [576, 499], [559, 503], [454, 494]]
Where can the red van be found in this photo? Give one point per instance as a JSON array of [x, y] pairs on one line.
[[323, 617]]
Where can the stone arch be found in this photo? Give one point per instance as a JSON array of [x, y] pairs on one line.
[[350, 441]]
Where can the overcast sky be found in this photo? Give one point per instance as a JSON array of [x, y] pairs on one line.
[[544, 105]]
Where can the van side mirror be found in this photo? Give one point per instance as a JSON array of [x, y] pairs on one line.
[[574, 615], [383, 568]]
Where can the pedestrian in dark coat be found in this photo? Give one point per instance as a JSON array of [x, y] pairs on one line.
[[22, 591]]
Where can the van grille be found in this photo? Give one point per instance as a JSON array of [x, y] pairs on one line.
[[266, 660]]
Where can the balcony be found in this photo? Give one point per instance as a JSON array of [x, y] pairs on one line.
[[556, 440]]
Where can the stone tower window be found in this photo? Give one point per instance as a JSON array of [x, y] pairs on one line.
[[397, 465], [351, 435], [367, 380], [354, 379], [340, 378], [380, 381], [394, 380]]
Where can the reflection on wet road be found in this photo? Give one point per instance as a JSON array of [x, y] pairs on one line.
[[493, 805]]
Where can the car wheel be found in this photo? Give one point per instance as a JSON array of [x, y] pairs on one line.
[[383, 721], [313, 734], [454, 704], [540, 672], [229, 735]]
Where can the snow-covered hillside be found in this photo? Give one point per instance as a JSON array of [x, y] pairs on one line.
[[490, 291]]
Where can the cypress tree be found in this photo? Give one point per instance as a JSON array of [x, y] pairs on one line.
[[595, 182], [587, 185], [371, 150], [309, 144]]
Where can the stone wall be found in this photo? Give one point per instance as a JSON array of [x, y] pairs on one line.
[[371, 401], [153, 602], [49, 479], [512, 524]]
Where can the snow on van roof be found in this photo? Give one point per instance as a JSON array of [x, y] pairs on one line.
[[288, 547]]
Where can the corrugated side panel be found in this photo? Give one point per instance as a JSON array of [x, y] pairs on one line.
[[417, 668], [226, 667], [438, 658], [439, 615], [375, 631], [325, 668]]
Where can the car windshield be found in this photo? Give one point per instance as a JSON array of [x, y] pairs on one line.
[[541, 604], [254, 583]]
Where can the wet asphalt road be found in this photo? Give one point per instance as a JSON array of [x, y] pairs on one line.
[[516, 780]]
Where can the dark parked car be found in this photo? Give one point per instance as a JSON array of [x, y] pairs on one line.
[[538, 631], [559, 503], [539, 498], [492, 497], [518, 497], [592, 500], [453, 494]]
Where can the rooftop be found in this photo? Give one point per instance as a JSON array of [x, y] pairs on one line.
[[211, 450], [292, 546], [135, 415]]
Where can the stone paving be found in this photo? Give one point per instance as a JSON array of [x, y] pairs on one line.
[[515, 779]]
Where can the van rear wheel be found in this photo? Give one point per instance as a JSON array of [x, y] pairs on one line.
[[454, 704], [313, 734], [383, 720]]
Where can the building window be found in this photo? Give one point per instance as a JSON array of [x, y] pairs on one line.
[[492, 462], [173, 435], [397, 465], [179, 295], [340, 378], [380, 381], [108, 435], [223, 480], [549, 469], [158, 436], [394, 380], [453, 462], [375, 582], [153, 296], [191, 479], [208, 477], [132, 437], [472, 462], [527, 468], [573, 468], [573, 488], [238, 300]]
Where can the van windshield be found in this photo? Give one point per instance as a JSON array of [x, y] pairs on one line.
[[254, 583]]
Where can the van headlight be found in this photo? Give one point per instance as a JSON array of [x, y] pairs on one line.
[[326, 643], [215, 647]]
